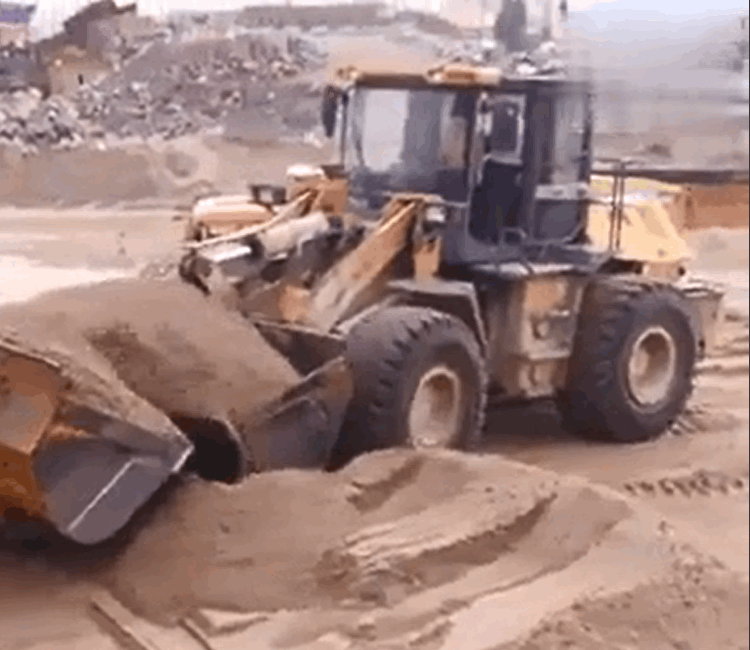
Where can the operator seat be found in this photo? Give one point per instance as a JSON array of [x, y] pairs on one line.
[[496, 201]]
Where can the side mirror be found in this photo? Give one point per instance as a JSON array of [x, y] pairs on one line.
[[331, 98]]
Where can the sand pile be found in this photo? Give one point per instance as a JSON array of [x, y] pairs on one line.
[[164, 340], [386, 528]]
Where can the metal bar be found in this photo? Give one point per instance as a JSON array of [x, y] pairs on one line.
[[679, 175]]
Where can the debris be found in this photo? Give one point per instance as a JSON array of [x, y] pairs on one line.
[[30, 123], [173, 89]]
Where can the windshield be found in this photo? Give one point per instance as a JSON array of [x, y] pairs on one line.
[[409, 140]]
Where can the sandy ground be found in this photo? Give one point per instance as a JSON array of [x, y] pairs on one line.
[[542, 541]]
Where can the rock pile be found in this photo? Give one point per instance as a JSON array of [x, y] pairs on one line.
[[167, 90], [174, 89], [30, 123]]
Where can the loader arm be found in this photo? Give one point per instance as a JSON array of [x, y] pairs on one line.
[[292, 210], [202, 258], [338, 290]]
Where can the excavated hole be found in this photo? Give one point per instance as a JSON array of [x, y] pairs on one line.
[[219, 456]]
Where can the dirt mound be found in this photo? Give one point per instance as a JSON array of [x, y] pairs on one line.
[[435, 518], [75, 177], [698, 606], [164, 340]]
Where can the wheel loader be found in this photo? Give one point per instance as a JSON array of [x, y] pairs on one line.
[[453, 252]]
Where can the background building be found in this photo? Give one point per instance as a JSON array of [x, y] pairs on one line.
[[15, 21]]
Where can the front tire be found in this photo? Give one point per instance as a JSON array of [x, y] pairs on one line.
[[631, 371], [419, 381]]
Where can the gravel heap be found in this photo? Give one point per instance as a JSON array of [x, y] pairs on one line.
[[31, 123], [167, 90], [174, 89]]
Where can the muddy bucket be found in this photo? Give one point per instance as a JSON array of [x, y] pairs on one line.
[[77, 448]]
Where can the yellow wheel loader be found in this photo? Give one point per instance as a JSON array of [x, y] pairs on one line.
[[454, 251]]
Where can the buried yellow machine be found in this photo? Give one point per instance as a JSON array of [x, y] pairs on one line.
[[455, 251]]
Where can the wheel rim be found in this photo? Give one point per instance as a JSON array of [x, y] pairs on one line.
[[435, 411], [652, 365]]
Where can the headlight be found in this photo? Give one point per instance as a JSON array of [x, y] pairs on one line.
[[268, 194], [436, 214]]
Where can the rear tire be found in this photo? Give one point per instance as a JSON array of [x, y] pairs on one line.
[[419, 381], [631, 371]]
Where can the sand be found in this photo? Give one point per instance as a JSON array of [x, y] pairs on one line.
[[402, 550], [168, 344], [295, 540], [698, 605]]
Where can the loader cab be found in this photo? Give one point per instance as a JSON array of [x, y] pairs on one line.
[[528, 195], [511, 160], [404, 135]]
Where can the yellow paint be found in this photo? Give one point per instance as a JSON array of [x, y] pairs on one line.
[[294, 303], [648, 234], [545, 293], [19, 492], [29, 394], [602, 186], [226, 217], [427, 259], [358, 269]]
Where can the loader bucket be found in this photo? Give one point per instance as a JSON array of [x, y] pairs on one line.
[[301, 427], [77, 448], [296, 428]]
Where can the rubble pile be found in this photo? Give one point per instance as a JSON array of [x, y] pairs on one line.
[[169, 89], [174, 89], [29, 123]]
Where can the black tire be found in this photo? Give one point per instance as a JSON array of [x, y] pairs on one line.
[[391, 352], [601, 400]]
